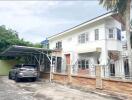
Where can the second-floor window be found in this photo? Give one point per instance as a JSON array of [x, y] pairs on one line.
[[111, 33], [59, 45], [118, 34], [96, 34], [83, 38]]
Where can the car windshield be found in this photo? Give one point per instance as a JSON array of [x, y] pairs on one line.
[[28, 66]]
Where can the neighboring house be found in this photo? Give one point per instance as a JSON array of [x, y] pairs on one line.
[[97, 41]]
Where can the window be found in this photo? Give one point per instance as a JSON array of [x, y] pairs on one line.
[[87, 37], [118, 34], [126, 68], [111, 33], [59, 45], [83, 38], [58, 67], [112, 69], [79, 64], [87, 64], [96, 34], [83, 64]]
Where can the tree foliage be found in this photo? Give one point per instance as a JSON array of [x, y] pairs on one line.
[[123, 8], [10, 37], [115, 5], [37, 45]]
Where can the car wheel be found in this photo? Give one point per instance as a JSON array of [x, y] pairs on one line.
[[33, 79], [17, 79], [9, 76]]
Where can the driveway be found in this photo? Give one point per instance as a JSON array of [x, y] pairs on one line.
[[10, 90]]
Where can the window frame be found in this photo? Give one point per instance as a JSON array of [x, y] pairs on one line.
[[111, 35], [118, 32], [83, 38], [96, 34], [82, 64], [59, 45]]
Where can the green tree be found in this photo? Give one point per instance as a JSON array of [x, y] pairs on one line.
[[10, 37], [38, 45], [123, 8]]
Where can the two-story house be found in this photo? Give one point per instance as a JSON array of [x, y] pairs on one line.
[[97, 41]]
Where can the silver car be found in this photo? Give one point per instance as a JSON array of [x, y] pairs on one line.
[[23, 71]]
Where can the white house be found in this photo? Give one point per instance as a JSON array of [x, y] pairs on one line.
[[97, 41]]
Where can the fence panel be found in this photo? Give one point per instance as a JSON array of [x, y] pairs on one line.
[[117, 70], [86, 71]]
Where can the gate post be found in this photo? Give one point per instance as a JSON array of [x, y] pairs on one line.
[[69, 74], [98, 77]]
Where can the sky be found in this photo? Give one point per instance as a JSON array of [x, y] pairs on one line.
[[36, 20]]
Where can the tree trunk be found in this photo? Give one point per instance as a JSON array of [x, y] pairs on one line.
[[128, 36]]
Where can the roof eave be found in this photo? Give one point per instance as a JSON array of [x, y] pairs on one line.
[[81, 25]]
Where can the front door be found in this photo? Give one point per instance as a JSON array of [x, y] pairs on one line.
[[67, 59]]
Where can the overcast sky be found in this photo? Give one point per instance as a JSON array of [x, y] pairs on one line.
[[36, 20]]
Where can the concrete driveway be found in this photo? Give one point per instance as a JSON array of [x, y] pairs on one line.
[[10, 90]]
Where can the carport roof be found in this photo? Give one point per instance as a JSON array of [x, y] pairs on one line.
[[16, 50]]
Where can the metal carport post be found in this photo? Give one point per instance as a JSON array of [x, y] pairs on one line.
[[51, 65]]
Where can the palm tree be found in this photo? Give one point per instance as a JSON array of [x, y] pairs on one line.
[[123, 8], [131, 24]]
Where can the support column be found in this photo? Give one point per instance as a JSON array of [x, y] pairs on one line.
[[69, 74], [51, 72], [98, 77]]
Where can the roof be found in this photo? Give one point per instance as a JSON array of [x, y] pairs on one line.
[[83, 24], [16, 50]]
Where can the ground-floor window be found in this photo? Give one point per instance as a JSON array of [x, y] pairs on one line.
[[83, 64], [112, 69], [126, 67], [57, 63]]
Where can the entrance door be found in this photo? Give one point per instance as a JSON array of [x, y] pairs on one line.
[[67, 59]]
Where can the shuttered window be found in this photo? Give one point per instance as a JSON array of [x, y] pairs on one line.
[[96, 34], [83, 38]]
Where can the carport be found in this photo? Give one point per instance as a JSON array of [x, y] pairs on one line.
[[32, 55]]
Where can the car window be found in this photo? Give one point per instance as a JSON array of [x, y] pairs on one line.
[[17, 66], [29, 66]]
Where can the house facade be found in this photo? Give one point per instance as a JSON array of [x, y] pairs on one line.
[[97, 41]]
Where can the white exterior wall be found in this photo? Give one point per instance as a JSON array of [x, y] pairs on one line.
[[70, 42], [71, 46], [115, 45]]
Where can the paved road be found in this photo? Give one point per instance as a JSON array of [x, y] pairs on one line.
[[9, 90]]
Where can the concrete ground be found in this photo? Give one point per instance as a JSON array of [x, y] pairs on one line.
[[10, 90]]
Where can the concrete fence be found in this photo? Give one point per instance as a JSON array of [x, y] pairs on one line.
[[93, 82]]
